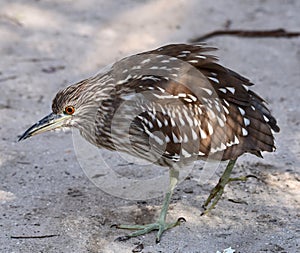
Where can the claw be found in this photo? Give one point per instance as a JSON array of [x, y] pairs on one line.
[[114, 226], [248, 176], [181, 220], [218, 190], [122, 238], [161, 225]]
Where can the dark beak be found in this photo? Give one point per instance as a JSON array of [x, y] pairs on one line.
[[50, 122]]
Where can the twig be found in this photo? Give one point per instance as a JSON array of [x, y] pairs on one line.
[[277, 33], [32, 236], [23, 162]]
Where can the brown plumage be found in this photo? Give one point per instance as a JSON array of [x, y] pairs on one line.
[[171, 106], [239, 119]]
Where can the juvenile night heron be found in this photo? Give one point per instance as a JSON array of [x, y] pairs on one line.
[[181, 106]]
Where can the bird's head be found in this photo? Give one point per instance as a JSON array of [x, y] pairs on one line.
[[66, 109]]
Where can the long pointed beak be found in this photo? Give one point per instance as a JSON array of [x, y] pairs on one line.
[[50, 122]]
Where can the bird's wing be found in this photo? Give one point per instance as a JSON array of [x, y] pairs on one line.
[[220, 114]]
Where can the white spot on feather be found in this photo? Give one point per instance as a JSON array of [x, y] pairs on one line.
[[175, 139], [163, 67], [157, 139], [181, 95], [221, 148], [167, 139], [173, 124], [166, 123], [246, 87], [188, 100], [223, 90], [153, 78], [246, 122], [194, 135], [221, 122], [199, 110], [208, 91], [265, 118], [214, 79], [231, 89], [217, 106], [242, 111], [192, 97], [244, 132], [145, 61], [185, 138], [185, 153], [161, 89], [188, 118], [202, 133], [152, 115], [226, 103], [200, 56], [125, 80], [225, 109], [162, 109], [211, 113], [210, 128], [196, 122], [163, 96], [159, 123], [136, 67], [181, 119], [234, 142]]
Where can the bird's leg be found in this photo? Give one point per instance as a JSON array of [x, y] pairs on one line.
[[218, 190], [161, 225]]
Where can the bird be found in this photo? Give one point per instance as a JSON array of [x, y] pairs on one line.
[[172, 106]]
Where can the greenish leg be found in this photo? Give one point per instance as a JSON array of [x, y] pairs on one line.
[[161, 224], [218, 190]]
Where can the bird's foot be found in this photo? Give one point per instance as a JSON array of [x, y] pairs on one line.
[[213, 197], [161, 226], [218, 190]]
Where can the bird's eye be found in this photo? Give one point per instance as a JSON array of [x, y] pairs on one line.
[[70, 110]]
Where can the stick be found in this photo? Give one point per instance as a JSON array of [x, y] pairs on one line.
[[277, 33], [32, 236]]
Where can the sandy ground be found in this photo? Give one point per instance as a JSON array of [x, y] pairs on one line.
[[45, 45]]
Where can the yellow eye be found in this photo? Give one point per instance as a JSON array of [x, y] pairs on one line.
[[70, 110]]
